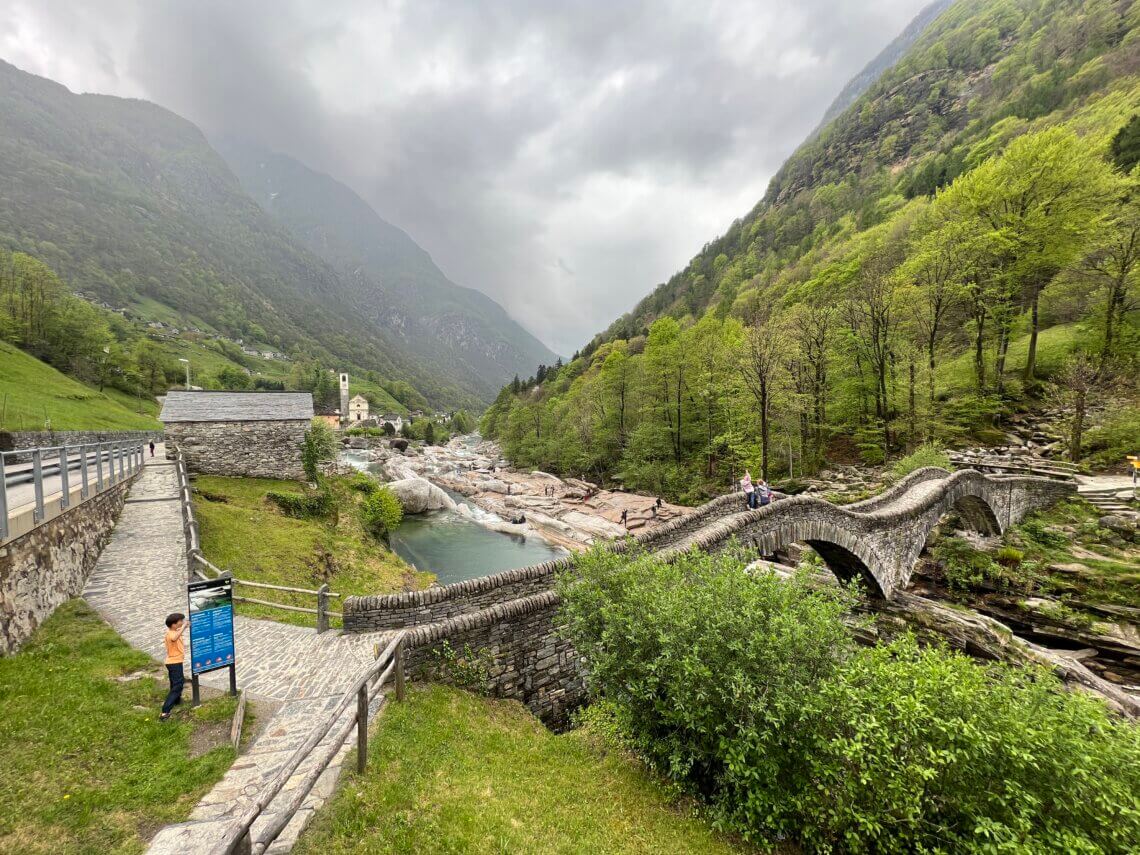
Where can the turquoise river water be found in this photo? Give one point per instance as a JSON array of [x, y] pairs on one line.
[[454, 547]]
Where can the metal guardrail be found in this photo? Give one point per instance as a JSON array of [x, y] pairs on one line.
[[198, 565], [389, 665], [99, 466]]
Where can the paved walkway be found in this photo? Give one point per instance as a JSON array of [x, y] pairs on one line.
[[141, 577]]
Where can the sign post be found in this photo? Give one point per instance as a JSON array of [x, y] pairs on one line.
[[211, 630]]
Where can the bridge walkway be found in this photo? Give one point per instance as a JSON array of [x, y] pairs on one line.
[[297, 674]]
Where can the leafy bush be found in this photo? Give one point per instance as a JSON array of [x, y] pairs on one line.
[[319, 446], [303, 505], [749, 691], [928, 454], [363, 483], [380, 512], [1109, 443], [1037, 533], [964, 567]]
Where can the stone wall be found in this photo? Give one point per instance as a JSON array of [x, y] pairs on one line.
[[17, 439], [50, 564], [260, 449], [531, 662]]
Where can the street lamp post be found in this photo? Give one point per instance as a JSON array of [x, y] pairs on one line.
[[187, 361]]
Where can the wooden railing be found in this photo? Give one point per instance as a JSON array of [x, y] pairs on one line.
[[389, 665], [198, 565]]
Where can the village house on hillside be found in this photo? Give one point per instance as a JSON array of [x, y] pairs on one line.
[[358, 409], [252, 434]]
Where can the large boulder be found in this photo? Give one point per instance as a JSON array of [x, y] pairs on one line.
[[400, 445], [417, 495]]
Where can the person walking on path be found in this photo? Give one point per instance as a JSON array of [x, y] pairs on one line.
[[175, 661], [152, 448], [749, 490]]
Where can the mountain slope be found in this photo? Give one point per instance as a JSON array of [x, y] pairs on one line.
[[886, 58], [130, 204], [388, 274], [975, 78]]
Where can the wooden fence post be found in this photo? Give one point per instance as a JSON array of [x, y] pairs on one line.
[[322, 608], [401, 692], [362, 728]]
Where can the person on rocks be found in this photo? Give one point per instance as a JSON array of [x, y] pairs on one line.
[[749, 490], [175, 659], [625, 517]]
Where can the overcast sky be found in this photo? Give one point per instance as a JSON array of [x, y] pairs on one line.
[[562, 157]]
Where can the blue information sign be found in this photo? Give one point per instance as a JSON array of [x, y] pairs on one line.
[[211, 624]]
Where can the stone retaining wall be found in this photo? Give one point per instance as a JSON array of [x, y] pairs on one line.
[[254, 449], [50, 564], [531, 662], [17, 439]]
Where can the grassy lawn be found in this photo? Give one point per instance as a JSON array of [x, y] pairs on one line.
[[244, 532], [32, 392], [87, 765], [452, 772], [956, 376]]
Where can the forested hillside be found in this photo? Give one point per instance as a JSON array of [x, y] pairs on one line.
[[131, 206], [960, 243], [460, 331]]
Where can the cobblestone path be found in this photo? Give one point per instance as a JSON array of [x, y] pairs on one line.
[[141, 577]]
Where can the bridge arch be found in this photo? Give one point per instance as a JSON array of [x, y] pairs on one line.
[[845, 551]]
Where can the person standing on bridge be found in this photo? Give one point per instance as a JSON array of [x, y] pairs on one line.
[[749, 490], [175, 659]]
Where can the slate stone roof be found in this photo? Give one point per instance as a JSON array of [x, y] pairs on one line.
[[183, 406]]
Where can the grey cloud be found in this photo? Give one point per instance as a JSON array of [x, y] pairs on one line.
[[561, 157]]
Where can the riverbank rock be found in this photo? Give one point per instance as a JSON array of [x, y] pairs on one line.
[[417, 495]]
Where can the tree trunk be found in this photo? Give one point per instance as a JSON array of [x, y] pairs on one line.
[[913, 415], [1031, 358], [764, 430], [1077, 431], [979, 352]]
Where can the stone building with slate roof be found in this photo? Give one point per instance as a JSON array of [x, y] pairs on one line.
[[252, 434]]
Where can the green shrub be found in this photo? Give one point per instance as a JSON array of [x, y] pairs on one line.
[[964, 567], [1108, 444], [1009, 556], [749, 692], [303, 505], [929, 454], [380, 512], [363, 483], [319, 446], [1039, 534]]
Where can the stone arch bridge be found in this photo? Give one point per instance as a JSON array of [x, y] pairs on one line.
[[879, 540]]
